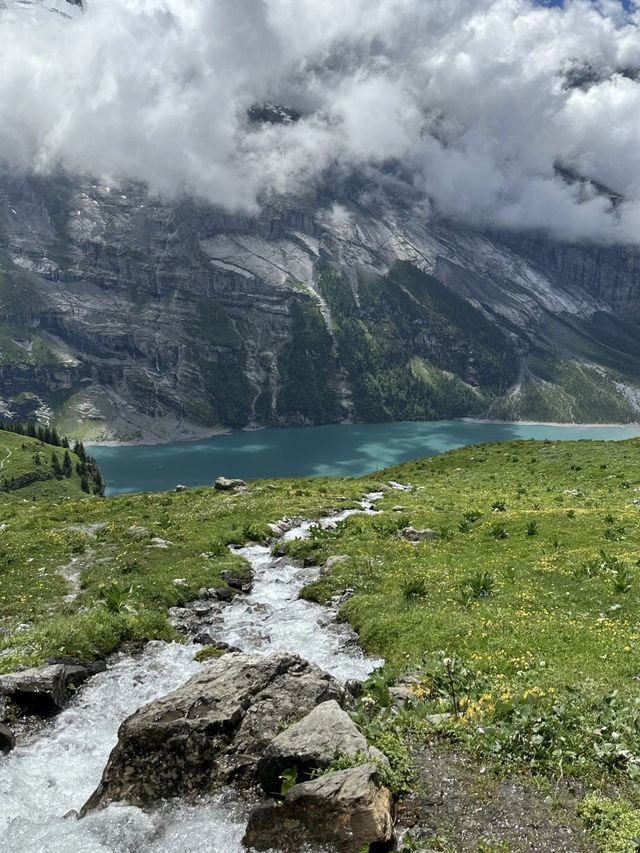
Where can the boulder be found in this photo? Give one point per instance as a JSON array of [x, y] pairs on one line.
[[411, 534], [222, 484], [44, 690], [180, 488], [313, 743], [223, 593], [346, 810], [7, 738], [334, 561], [235, 580], [138, 532], [213, 730]]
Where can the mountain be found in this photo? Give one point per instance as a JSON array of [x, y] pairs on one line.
[[125, 316]]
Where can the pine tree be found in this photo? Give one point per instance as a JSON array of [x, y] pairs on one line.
[[55, 464], [66, 464]]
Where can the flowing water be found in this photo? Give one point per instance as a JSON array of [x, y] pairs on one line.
[[41, 781]]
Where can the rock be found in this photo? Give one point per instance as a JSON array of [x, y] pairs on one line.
[[213, 730], [334, 561], [204, 638], [326, 732], [346, 810], [223, 593], [310, 560], [92, 667], [398, 508], [44, 690], [411, 534], [222, 484], [341, 596], [437, 719], [180, 488], [138, 532], [400, 695], [180, 583], [157, 542], [7, 738], [354, 687], [236, 581]]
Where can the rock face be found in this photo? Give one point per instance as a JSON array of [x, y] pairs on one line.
[[324, 734], [213, 730], [43, 690], [347, 810], [175, 318]]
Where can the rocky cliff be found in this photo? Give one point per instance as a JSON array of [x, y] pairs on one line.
[[125, 316]]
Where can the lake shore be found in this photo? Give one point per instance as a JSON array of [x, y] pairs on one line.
[[194, 434], [491, 421]]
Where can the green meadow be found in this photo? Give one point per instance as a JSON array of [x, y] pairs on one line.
[[515, 619]]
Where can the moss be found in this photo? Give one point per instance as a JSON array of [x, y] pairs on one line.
[[209, 653], [614, 824]]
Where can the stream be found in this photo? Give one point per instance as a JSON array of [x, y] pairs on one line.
[[55, 772]]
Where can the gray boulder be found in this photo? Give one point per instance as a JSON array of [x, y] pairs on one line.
[[411, 534], [138, 532], [324, 734], [44, 690], [213, 730], [346, 810], [222, 484]]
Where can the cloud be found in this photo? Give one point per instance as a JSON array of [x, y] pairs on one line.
[[470, 97]]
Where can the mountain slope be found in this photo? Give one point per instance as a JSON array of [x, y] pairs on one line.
[[124, 316]]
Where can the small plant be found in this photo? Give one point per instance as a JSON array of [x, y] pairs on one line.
[[116, 598], [414, 589], [464, 526], [498, 506], [472, 515], [480, 584], [498, 531], [570, 513], [532, 527], [289, 778], [623, 580], [445, 534], [509, 573]]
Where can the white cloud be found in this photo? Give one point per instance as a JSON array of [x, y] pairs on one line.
[[466, 94]]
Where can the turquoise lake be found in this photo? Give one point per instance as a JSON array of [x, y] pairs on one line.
[[341, 450]]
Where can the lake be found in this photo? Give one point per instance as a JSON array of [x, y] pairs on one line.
[[338, 450]]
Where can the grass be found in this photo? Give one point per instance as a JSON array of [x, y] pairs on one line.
[[521, 618], [125, 582]]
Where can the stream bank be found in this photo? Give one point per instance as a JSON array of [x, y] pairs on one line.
[[53, 774]]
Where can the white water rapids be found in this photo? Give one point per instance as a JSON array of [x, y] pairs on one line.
[[42, 780]]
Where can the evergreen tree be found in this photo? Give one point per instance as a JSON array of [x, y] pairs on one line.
[[66, 465], [55, 464]]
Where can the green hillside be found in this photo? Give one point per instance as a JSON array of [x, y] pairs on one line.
[[33, 469], [519, 614]]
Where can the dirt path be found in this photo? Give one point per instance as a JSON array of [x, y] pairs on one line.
[[6, 458], [462, 802]]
